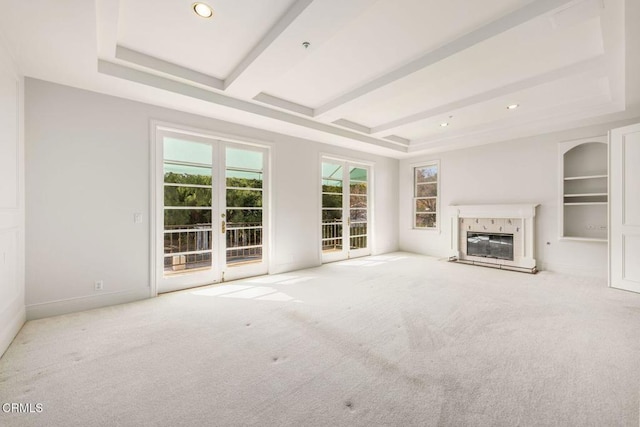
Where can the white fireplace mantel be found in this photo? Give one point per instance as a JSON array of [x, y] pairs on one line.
[[494, 211], [518, 217]]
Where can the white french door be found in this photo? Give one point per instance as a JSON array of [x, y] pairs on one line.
[[210, 211], [346, 200], [624, 199]]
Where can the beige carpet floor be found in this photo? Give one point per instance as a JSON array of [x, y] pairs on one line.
[[396, 340]]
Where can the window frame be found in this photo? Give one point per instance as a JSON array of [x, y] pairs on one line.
[[415, 197]]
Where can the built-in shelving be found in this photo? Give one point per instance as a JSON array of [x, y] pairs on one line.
[[584, 191]]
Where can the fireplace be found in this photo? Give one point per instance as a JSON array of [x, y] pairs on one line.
[[490, 245], [500, 236]]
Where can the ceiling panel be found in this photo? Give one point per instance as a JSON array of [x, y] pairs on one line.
[[171, 31], [550, 100], [384, 37], [517, 55]]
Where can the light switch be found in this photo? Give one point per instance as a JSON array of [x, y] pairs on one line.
[[137, 218]]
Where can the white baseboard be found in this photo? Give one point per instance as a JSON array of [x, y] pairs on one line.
[[575, 270], [294, 266], [89, 302], [12, 322]]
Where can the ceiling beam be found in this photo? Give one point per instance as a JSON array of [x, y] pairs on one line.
[[147, 61], [284, 104], [281, 49], [592, 66], [398, 139], [530, 11], [276, 31], [160, 82], [352, 125]]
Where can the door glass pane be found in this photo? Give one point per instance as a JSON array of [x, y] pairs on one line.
[[332, 171], [332, 236], [358, 215], [357, 201], [244, 200], [358, 235], [182, 263], [358, 204], [237, 198], [194, 240], [188, 194], [182, 151], [357, 174], [238, 158], [332, 200], [244, 217], [358, 242], [185, 174], [244, 179], [332, 215], [358, 188], [186, 218], [331, 186], [332, 205]]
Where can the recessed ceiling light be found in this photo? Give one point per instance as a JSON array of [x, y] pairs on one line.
[[444, 124], [203, 10], [512, 106]]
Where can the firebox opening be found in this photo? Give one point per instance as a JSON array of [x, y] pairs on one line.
[[490, 245]]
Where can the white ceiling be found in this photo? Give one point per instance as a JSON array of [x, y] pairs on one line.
[[378, 75]]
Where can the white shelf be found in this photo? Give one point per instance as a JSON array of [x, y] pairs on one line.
[[585, 194], [583, 239], [584, 203], [572, 178]]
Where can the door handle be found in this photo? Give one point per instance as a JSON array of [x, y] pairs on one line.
[[223, 227]]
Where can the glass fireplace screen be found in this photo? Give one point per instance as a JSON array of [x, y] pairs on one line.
[[490, 245]]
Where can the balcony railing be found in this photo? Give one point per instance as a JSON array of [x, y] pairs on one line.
[[332, 235], [244, 242], [189, 246]]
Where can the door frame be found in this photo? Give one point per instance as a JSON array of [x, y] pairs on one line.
[[157, 129], [348, 253]]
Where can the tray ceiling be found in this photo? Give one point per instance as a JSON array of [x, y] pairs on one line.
[[377, 75]]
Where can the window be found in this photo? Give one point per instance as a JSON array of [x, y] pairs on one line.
[[425, 196]]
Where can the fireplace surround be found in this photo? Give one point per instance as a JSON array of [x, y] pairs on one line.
[[500, 236]]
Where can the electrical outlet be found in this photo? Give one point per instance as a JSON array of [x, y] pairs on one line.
[[98, 285]]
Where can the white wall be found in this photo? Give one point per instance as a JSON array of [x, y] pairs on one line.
[[522, 171], [12, 309], [87, 159]]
